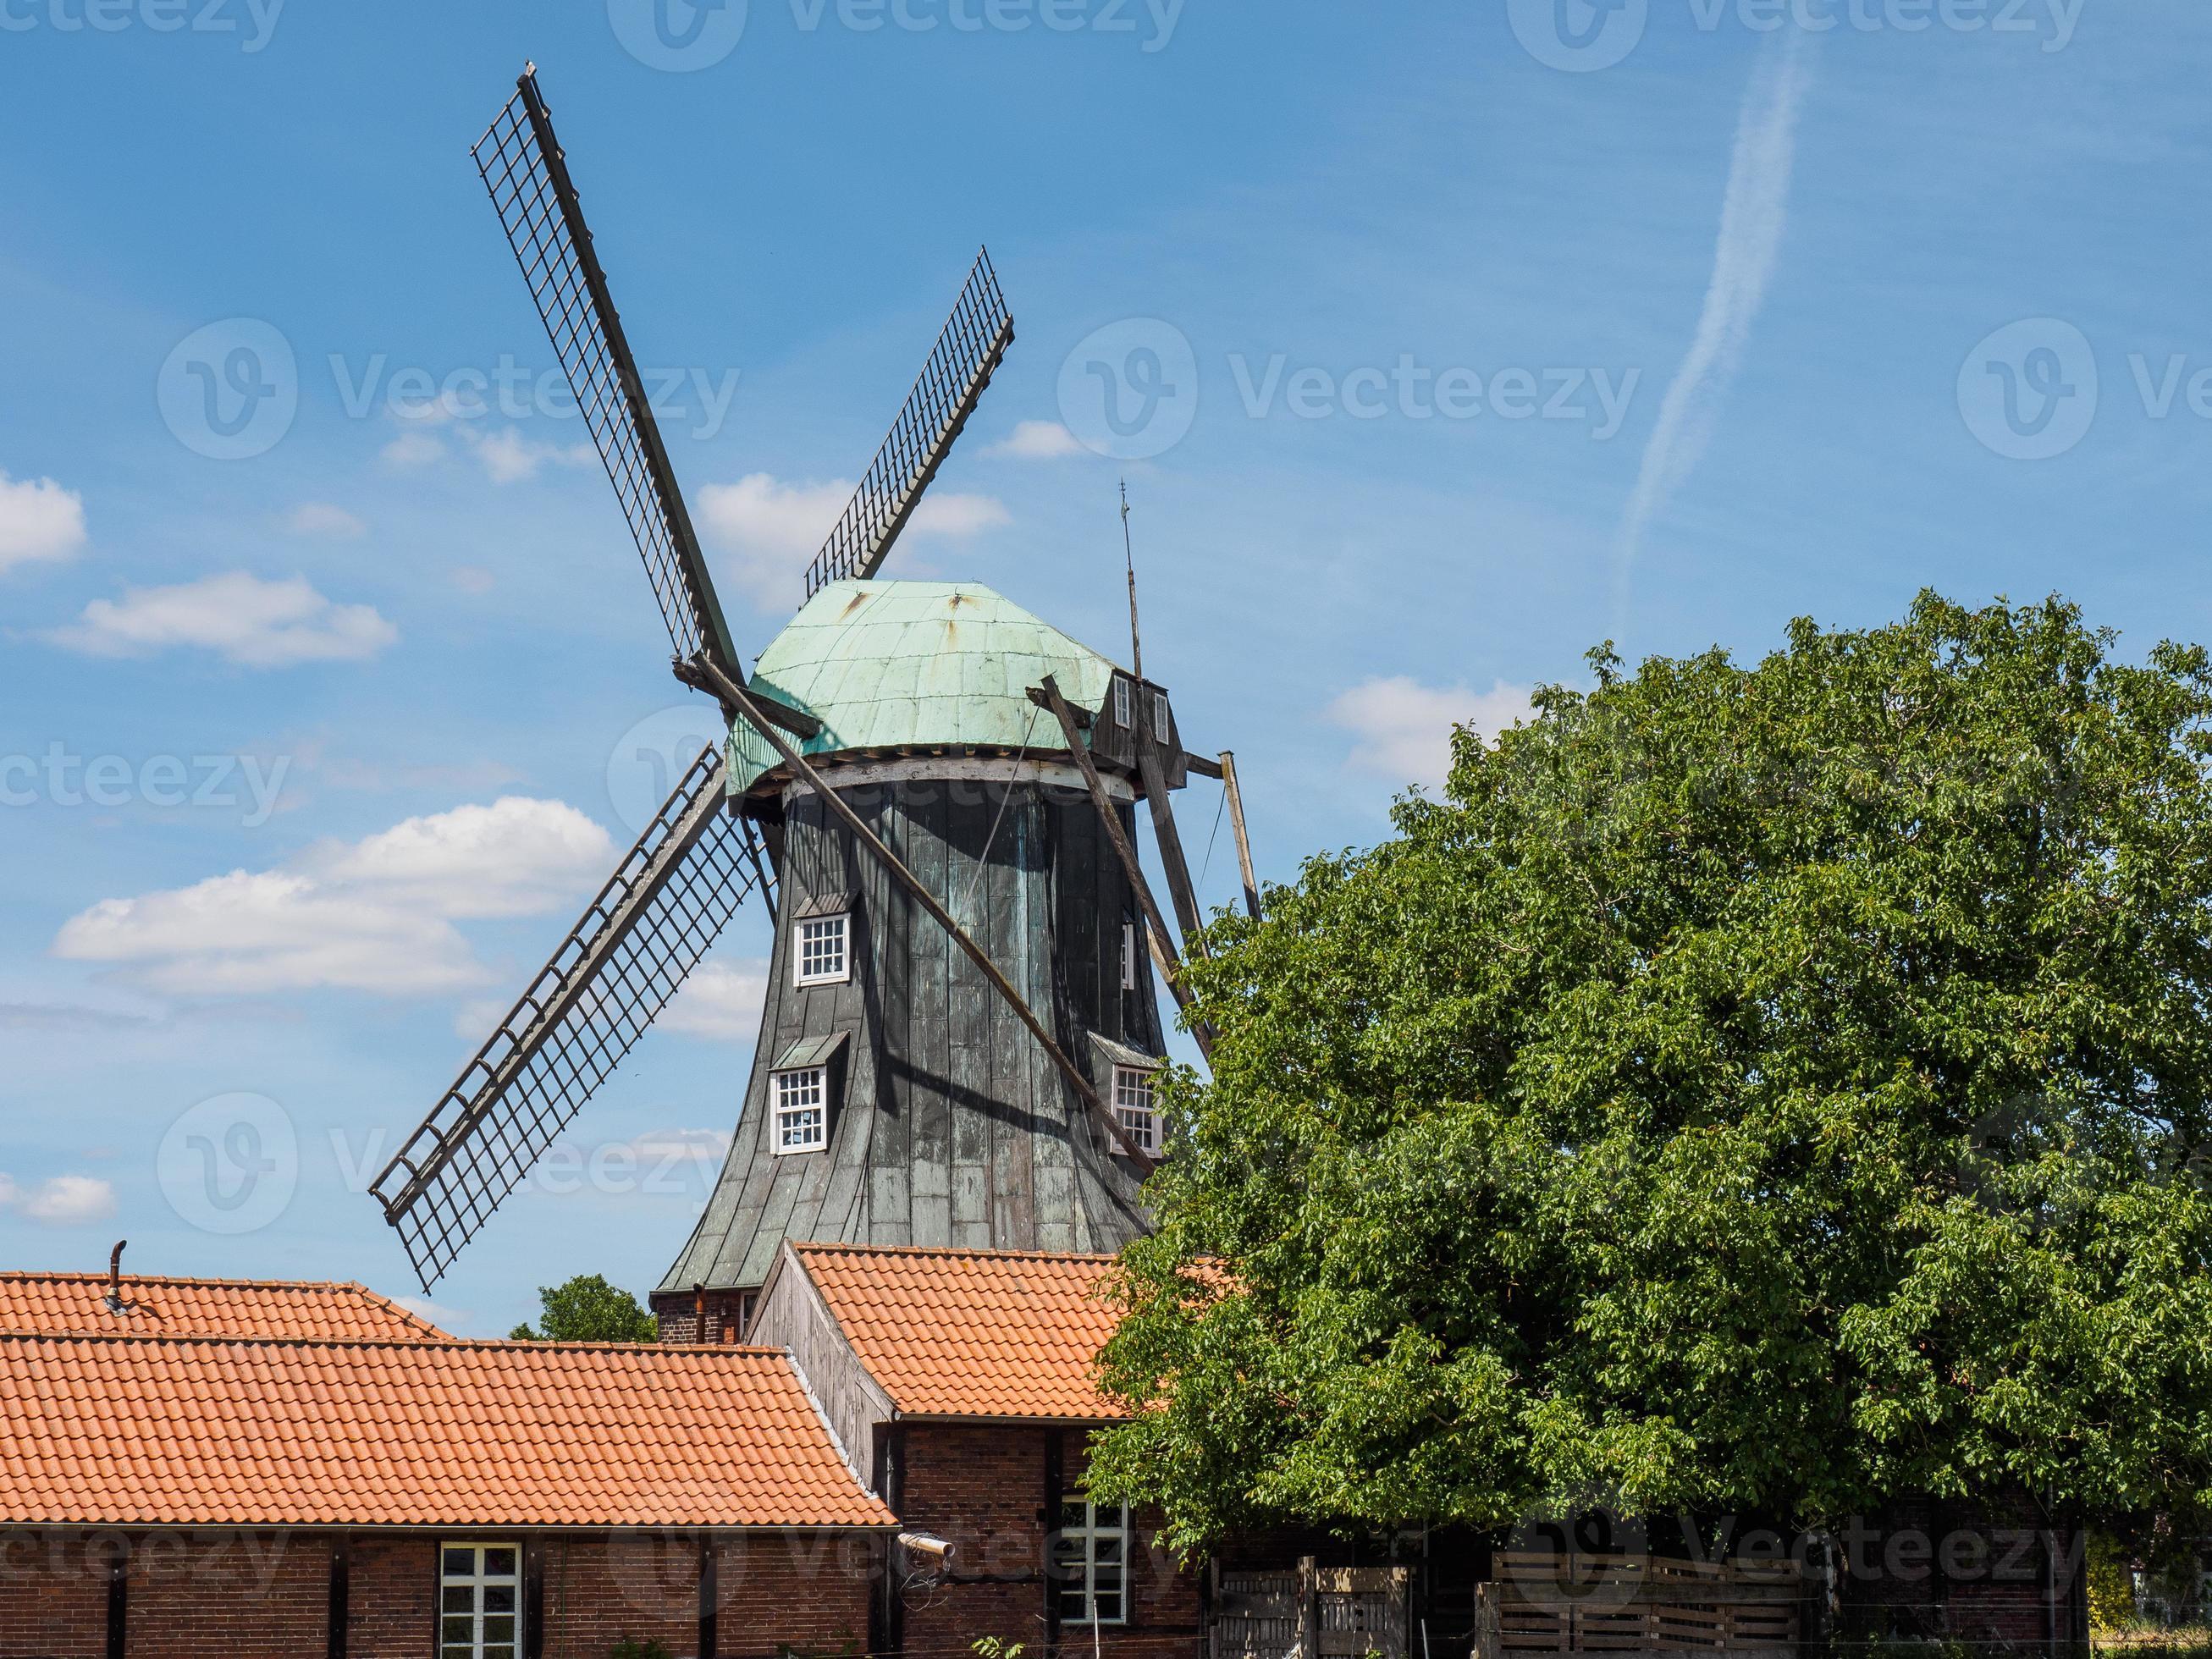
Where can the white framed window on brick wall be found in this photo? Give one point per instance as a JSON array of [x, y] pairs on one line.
[[1091, 1563], [1134, 1107], [479, 1600], [823, 953], [800, 1100]]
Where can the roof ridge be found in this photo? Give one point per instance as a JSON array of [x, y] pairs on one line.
[[63, 1275], [404, 1344], [835, 1246]]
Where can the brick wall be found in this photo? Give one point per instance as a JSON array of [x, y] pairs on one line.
[[53, 1595], [983, 1487], [233, 1595], [725, 1321]]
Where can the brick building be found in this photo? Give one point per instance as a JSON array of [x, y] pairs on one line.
[[959, 1386], [238, 1471]]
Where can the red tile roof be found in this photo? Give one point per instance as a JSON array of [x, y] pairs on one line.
[[208, 1431], [76, 1305], [972, 1333]]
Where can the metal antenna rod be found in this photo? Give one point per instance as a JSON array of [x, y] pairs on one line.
[[1129, 558]]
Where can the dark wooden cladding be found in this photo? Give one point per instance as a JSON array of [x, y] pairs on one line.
[[954, 1128]]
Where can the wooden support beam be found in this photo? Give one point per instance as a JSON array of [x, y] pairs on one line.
[[1237, 824], [723, 686], [1156, 927], [1172, 862], [1203, 766]]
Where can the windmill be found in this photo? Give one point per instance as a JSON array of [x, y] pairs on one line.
[[931, 791]]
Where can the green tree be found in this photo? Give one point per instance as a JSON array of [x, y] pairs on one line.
[[588, 1309], [1764, 1089]]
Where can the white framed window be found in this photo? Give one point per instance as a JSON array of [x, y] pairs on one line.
[[1091, 1560], [1161, 725], [479, 1600], [1128, 956], [1121, 701], [824, 956], [1134, 1107], [802, 1109]]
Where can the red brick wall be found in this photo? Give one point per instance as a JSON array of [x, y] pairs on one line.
[[53, 1596], [678, 1315], [983, 1487], [230, 1595]]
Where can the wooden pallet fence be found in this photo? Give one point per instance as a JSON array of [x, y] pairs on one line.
[[1311, 1612], [1617, 1603]]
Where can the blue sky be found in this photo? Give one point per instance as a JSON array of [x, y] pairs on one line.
[[1479, 334]]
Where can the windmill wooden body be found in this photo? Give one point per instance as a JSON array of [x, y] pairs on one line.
[[933, 790]]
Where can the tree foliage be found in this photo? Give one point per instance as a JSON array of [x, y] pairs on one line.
[[1766, 1088], [587, 1309]]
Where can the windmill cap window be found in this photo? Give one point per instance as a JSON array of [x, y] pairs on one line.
[[822, 950], [1129, 1074]]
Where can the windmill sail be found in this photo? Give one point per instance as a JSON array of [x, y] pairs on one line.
[[524, 168], [967, 352], [618, 968]]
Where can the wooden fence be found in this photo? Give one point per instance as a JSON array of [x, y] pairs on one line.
[[1311, 1612], [1594, 1603]]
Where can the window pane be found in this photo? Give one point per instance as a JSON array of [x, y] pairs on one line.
[[1106, 1550], [460, 1598], [459, 1630], [1074, 1512], [460, 1563], [499, 1563], [459, 1653], [499, 1627], [499, 1598], [1110, 1606], [499, 1653]]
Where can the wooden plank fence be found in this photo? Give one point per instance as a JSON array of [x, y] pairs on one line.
[[1599, 1603], [1311, 1612]]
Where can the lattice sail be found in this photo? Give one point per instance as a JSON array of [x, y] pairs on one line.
[[524, 168], [618, 968], [968, 350]]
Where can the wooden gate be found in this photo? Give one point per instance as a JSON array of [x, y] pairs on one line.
[[1312, 1612], [1587, 1603]]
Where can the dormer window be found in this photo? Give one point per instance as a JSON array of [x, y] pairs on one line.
[[825, 953], [802, 1109], [1134, 1109], [1161, 726], [1121, 716]]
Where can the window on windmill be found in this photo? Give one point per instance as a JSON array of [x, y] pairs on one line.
[[1161, 728], [1091, 1560], [823, 955], [1121, 702], [1133, 1106], [1128, 956], [479, 1600], [802, 1109]]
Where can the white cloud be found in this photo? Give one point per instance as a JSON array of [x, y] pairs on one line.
[[1753, 216], [1037, 440], [243, 619], [510, 458], [772, 529], [517, 857], [372, 916], [39, 520], [721, 1001], [413, 449], [322, 519], [63, 1201], [1405, 728]]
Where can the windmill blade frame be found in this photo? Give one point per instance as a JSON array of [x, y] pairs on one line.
[[527, 172], [968, 350], [621, 964]]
